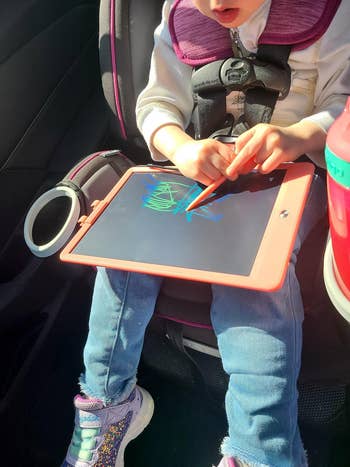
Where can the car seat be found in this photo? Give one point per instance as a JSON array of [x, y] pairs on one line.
[[180, 331], [180, 344]]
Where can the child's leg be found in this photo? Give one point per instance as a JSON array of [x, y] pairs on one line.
[[116, 411], [260, 337], [122, 306]]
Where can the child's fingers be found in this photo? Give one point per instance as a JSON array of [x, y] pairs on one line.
[[243, 139], [244, 169], [227, 151], [248, 167], [212, 171], [272, 162], [204, 179], [217, 160], [220, 163], [246, 154]]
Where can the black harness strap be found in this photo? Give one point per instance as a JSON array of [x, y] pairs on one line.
[[210, 117], [210, 114], [260, 102]]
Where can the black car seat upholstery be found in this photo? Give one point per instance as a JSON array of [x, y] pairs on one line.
[[52, 111]]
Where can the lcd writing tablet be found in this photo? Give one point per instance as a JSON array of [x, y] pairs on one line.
[[241, 235]]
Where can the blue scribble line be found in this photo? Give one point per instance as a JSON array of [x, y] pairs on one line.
[[174, 197]]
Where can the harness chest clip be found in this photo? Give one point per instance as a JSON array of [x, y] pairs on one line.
[[240, 74]]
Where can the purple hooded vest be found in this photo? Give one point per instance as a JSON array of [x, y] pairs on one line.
[[198, 40]]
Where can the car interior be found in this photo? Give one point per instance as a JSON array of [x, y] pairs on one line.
[[70, 73]]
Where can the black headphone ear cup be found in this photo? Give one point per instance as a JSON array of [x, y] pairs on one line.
[[51, 221]]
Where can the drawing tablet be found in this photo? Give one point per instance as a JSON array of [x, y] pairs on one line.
[[242, 235]]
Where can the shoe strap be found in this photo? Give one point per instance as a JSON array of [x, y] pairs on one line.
[[87, 403]]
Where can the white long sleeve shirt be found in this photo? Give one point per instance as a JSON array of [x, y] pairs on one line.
[[320, 81]]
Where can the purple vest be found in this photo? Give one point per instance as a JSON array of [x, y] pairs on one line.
[[198, 40]]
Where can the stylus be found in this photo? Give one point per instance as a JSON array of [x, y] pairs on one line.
[[206, 192]]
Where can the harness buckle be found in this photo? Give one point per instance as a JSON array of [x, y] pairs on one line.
[[240, 74]]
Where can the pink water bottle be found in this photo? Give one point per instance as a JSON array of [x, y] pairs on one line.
[[338, 182]]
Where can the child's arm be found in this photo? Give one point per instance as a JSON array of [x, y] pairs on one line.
[[203, 160], [270, 145], [163, 111]]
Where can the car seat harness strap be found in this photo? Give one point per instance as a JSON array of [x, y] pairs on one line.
[[222, 64]]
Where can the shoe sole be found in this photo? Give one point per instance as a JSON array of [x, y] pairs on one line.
[[138, 425]]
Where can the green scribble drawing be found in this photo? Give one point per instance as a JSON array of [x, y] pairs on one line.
[[174, 197], [165, 196]]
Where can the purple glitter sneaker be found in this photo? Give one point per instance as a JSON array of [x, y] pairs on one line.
[[101, 433]]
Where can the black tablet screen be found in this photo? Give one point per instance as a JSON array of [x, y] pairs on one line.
[[147, 222]]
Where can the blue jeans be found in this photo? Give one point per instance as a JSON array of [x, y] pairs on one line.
[[259, 337]]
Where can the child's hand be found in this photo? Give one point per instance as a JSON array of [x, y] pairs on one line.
[[267, 146], [203, 160]]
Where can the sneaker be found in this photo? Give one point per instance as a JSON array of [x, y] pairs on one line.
[[101, 433], [231, 462], [227, 462]]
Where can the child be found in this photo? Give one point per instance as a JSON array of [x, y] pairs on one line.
[[259, 334]]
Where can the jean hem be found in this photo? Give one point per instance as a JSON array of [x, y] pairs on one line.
[[231, 451], [240, 455], [107, 401]]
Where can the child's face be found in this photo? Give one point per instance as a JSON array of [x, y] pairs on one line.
[[229, 13]]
